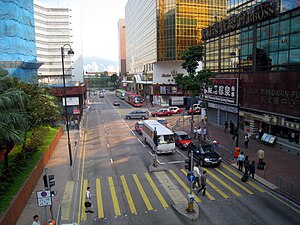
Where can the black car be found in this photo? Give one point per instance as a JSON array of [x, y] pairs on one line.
[[116, 103], [205, 154]]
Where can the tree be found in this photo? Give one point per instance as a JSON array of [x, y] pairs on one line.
[[192, 56], [114, 80], [13, 118]]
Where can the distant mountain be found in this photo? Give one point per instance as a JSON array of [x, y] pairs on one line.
[[103, 64]]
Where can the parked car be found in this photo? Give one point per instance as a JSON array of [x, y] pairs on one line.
[[137, 114], [116, 103], [163, 121], [205, 154], [162, 112], [139, 127], [196, 110], [182, 139], [175, 109], [101, 95]]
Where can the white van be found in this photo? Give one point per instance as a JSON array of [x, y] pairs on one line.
[[166, 141]]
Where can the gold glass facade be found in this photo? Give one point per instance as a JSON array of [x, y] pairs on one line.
[[179, 24]]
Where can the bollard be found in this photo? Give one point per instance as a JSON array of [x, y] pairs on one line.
[[191, 199]]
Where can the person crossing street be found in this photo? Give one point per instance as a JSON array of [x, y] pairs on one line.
[[203, 183]]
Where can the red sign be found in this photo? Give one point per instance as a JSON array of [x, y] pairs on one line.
[[76, 111]]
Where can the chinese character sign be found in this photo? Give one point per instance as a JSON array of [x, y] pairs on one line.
[[223, 90]]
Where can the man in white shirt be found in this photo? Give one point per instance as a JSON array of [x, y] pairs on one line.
[[241, 159], [88, 200], [195, 132], [199, 131], [36, 220], [197, 175]]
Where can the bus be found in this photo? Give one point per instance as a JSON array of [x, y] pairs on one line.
[[165, 137], [134, 99], [120, 93]]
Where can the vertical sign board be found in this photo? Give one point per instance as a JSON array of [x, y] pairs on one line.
[[43, 198]]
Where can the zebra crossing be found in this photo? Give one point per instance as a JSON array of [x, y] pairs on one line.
[[116, 196]]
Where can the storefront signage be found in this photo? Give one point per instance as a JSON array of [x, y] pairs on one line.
[[168, 90], [224, 90], [71, 101], [263, 11]]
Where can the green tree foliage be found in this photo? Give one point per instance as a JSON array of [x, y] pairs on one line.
[[114, 80], [191, 58]]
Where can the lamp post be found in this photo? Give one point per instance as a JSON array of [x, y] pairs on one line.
[[238, 95], [70, 52]]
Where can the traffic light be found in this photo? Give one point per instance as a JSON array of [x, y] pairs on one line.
[[188, 164], [48, 180]]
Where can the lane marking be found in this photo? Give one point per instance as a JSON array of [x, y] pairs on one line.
[[67, 200], [238, 175], [128, 195], [142, 143], [156, 191], [114, 196], [170, 188], [99, 199], [142, 192], [217, 189], [212, 198], [182, 183], [283, 202], [235, 182], [223, 183]]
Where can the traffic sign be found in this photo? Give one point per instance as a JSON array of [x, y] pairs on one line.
[[44, 198], [191, 177]]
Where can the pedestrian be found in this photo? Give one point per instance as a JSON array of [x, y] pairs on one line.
[[260, 155], [225, 126], [240, 161], [76, 123], [36, 220], [252, 169], [260, 133], [246, 164], [246, 140], [197, 175], [72, 124], [88, 201], [199, 131], [204, 133], [203, 183], [231, 127], [195, 132]]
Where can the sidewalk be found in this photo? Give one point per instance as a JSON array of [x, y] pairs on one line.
[[282, 171]]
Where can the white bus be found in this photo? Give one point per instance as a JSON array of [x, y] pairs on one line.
[[166, 141]]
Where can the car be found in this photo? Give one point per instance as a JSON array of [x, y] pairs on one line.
[[139, 127], [182, 139], [205, 154], [162, 121], [162, 112], [175, 109], [196, 110], [116, 103], [137, 114], [101, 95]]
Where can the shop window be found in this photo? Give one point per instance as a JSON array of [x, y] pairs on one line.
[[295, 40], [295, 25], [284, 27]]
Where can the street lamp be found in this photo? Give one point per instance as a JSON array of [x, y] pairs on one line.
[[238, 95], [70, 52]]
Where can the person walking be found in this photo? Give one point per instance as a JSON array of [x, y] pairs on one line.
[[196, 172], [260, 155], [246, 141], [240, 161], [225, 126], [231, 127], [199, 131], [36, 220], [88, 201], [203, 183], [252, 169], [195, 133], [246, 164], [204, 133]]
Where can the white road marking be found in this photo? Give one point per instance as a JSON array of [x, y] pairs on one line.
[[111, 161], [142, 143]]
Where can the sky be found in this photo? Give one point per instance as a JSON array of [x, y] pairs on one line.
[[99, 26]]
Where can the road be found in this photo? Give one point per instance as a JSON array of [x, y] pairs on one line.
[[114, 162]]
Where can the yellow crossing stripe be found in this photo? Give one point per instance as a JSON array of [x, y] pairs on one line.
[[235, 182], [67, 200], [114, 196], [99, 199], [83, 213], [207, 193], [217, 189], [223, 183], [143, 194], [128, 195], [238, 175], [156, 191]]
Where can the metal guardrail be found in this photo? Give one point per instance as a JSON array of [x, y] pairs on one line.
[[287, 187]]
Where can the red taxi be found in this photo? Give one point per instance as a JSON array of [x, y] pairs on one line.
[[175, 110], [196, 110], [182, 139], [162, 112], [139, 127]]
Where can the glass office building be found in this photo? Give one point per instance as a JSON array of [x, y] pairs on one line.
[[258, 44]]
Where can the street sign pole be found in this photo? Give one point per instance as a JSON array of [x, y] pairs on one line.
[[191, 179]]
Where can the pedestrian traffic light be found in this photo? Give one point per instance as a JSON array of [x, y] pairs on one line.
[[188, 164], [48, 181]]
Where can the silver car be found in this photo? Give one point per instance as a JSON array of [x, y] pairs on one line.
[[137, 114]]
